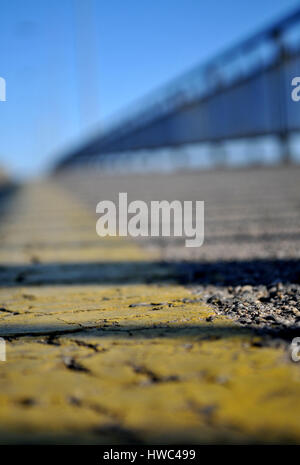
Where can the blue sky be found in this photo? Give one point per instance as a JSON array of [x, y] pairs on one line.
[[70, 64]]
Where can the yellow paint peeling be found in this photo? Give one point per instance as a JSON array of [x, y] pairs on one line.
[[126, 361]]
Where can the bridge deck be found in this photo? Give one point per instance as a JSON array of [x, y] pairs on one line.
[[105, 344]]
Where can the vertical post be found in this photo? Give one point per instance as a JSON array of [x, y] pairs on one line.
[[219, 154], [87, 58], [283, 134]]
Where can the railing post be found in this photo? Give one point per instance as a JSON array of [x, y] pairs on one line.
[[283, 134]]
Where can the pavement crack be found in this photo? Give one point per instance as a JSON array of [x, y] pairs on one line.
[[11, 312], [88, 345], [153, 377], [72, 364]]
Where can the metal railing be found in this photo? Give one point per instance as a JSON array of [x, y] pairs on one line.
[[242, 92]]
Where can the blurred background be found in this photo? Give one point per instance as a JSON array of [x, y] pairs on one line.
[[77, 71]]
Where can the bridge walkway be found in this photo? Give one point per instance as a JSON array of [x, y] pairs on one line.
[[105, 345]]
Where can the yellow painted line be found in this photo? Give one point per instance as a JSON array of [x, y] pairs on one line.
[[125, 361]]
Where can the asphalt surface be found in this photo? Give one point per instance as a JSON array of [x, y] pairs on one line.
[[248, 267]]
